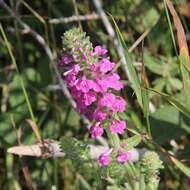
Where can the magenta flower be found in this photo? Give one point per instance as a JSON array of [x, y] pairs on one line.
[[106, 65], [118, 127], [96, 131], [102, 84], [89, 98], [99, 115], [113, 81], [119, 105], [107, 100], [104, 160], [83, 84], [99, 50], [123, 157], [70, 80]]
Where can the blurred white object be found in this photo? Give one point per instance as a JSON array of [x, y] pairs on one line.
[[50, 148]]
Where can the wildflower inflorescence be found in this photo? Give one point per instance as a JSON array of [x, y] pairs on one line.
[[89, 75]]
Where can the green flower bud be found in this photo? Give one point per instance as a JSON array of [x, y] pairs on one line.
[[76, 43], [150, 166]]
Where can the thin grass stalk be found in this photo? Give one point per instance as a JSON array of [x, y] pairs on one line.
[[170, 27]]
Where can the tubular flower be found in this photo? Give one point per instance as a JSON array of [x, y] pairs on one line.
[[104, 160], [96, 131], [123, 157]]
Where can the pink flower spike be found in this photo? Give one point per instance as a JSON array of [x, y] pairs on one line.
[[106, 65], [99, 50], [123, 157], [118, 127], [104, 160], [96, 131]]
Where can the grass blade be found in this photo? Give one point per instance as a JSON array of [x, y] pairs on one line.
[[170, 27], [181, 166], [132, 72], [145, 93]]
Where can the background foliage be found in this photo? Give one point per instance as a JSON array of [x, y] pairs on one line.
[[170, 126]]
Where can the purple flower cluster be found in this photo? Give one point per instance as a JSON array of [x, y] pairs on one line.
[[91, 82]]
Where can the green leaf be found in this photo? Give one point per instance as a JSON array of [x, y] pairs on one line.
[[132, 142], [32, 75], [153, 64], [173, 101], [168, 123], [150, 16], [176, 83], [184, 96], [159, 84], [73, 119], [8, 135]]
